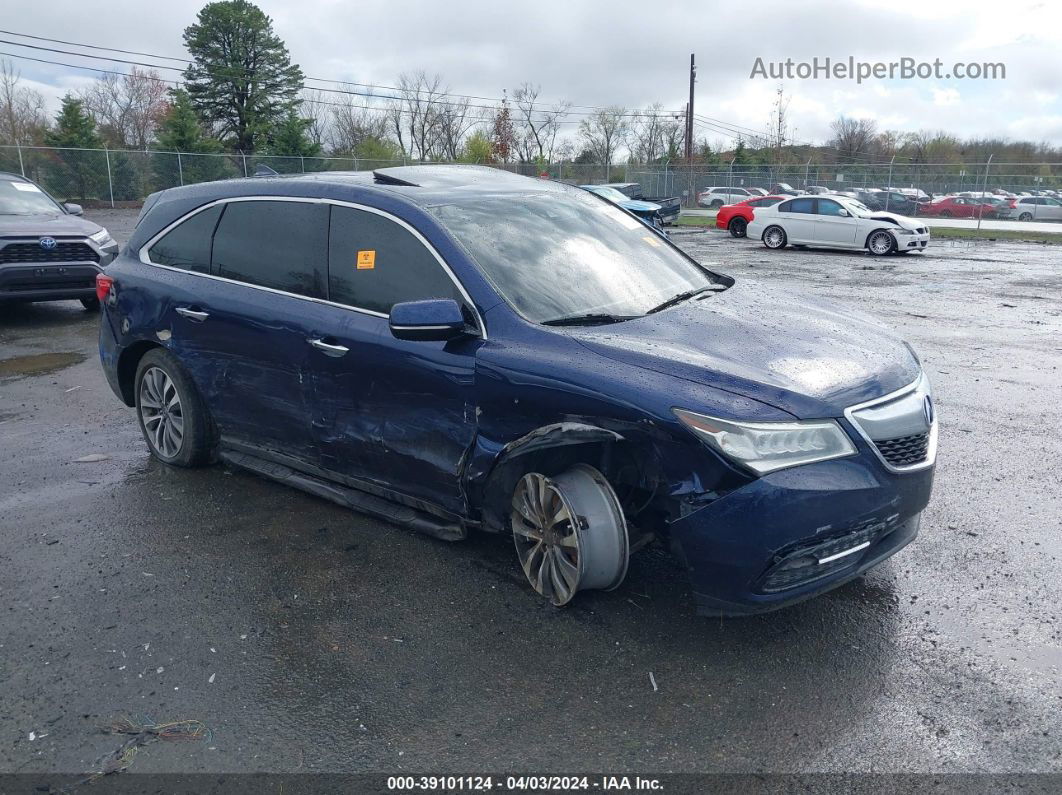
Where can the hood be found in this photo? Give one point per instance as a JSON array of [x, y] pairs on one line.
[[636, 206], [46, 225], [899, 220], [798, 354]]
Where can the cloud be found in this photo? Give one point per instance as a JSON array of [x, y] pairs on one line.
[[596, 53]]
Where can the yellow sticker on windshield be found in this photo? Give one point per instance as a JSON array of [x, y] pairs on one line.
[[652, 241], [366, 260]]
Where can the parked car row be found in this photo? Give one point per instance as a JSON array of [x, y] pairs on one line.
[[1043, 205]]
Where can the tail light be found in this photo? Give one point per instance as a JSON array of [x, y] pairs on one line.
[[104, 283], [1013, 204]]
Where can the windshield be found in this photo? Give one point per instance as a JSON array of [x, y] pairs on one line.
[[560, 255], [611, 194], [24, 198]]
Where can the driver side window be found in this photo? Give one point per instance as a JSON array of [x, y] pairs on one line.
[[829, 207]]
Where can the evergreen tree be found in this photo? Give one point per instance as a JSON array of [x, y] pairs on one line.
[[241, 78], [181, 132], [81, 174], [291, 138]]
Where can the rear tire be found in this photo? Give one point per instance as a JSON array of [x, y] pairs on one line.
[[945, 214], [91, 304], [171, 413], [716, 204], [1025, 217], [774, 237], [738, 227]]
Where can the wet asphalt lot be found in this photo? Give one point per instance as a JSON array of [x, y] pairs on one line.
[[308, 638]]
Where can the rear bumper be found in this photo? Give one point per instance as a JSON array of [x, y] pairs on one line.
[[790, 535]]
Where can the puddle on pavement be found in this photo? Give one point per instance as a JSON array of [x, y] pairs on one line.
[[38, 364]]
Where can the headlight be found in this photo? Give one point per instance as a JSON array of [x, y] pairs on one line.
[[766, 446], [102, 238], [903, 231]]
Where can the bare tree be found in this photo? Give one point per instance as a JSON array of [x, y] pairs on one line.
[[314, 106], [604, 132], [352, 124], [537, 126], [853, 138], [456, 119], [653, 133], [22, 116], [415, 114], [127, 108]]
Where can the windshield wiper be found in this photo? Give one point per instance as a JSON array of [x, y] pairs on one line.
[[678, 299], [589, 319]]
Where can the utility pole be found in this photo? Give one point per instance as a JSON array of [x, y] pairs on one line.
[[689, 113]]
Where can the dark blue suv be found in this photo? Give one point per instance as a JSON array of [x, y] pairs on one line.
[[457, 348]]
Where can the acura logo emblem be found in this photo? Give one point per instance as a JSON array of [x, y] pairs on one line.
[[927, 409], [47, 243]]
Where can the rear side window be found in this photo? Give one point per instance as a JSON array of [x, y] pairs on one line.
[[187, 245], [375, 263], [797, 206], [277, 244]]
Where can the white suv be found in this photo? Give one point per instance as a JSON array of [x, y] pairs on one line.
[[717, 197], [1036, 208]]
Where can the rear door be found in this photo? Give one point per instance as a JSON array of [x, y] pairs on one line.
[[391, 413], [798, 219]]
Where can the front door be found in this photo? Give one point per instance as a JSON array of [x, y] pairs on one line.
[[397, 414], [832, 228]]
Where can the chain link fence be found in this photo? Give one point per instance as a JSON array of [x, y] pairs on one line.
[[116, 178], [931, 178]]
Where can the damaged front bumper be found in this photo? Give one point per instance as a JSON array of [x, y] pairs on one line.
[[798, 532]]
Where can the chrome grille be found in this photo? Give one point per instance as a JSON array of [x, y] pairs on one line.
[[900, 427]]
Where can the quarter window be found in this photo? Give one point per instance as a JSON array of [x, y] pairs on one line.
[[375, 263], [276, 244], [187, 245]]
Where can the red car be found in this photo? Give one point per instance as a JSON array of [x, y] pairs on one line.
[[957, 207], [735, 217]]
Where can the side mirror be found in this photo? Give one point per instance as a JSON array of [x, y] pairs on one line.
[[843, 213], [434, 320], [73, 209]]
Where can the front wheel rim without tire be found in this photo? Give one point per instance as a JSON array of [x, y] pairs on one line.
[[161, 412], [569, 532], [881, 243]]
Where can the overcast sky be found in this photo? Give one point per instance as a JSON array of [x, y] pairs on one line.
[[632, 53]]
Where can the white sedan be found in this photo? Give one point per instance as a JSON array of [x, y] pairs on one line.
[[836, 222]]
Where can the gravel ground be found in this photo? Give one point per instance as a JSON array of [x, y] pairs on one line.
[[308, 638]]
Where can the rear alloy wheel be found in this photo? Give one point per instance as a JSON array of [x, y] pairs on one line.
[[1025, 217], [171, 414], [569, 532], [774, 237], [738, 227], [945, 214], [716, 204], [881, 243]]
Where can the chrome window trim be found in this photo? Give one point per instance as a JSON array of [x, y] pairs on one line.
[[142, 253], [919, 384]]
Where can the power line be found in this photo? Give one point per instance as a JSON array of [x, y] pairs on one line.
[[591, 109]]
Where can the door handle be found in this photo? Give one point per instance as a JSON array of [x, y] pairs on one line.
[[327, 348], [193, 314]]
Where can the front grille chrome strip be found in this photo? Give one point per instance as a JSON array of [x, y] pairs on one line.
[[919, 386]]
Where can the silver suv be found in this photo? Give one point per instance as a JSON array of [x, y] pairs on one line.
[[48, 252]]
